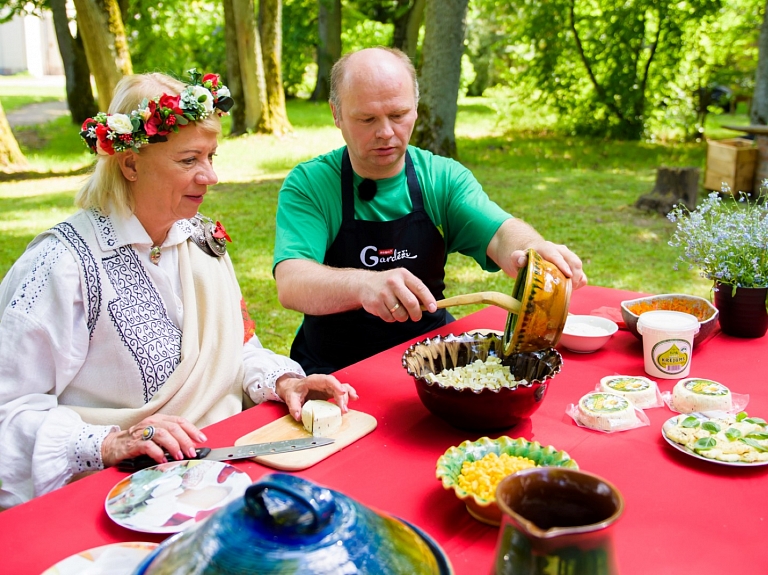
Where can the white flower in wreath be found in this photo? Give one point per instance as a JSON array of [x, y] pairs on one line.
[[223, 92], [120, 124], [198, 92]]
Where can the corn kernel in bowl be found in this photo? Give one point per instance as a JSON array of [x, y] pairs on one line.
[[481, 477]]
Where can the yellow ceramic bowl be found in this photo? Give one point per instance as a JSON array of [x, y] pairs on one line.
[[544, 294], [486, 510]]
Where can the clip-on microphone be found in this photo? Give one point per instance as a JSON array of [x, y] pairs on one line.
[[367, 190]]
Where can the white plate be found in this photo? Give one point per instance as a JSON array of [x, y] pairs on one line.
[[114, 559], [673, 420], [171, 497]]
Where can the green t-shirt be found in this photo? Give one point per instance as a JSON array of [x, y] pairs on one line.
[[309, 206]]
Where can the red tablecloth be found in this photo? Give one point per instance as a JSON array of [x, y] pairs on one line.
[[682, 515]]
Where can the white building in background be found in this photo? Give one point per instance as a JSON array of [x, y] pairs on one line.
[[28, 44]]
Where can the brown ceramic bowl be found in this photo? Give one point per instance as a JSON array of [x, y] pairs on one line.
[[483, 409], [704, 311], [544, 293]]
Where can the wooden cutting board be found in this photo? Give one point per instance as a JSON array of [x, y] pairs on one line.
[[354, 425]]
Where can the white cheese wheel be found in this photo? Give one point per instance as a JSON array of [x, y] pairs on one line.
[[606, 411], [696, 394], [321, 418], [641, 391]]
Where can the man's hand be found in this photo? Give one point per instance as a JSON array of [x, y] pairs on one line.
[[295, 391], [316, 289], [566, 261]]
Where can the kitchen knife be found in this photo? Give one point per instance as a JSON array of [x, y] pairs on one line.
[[234, 452]]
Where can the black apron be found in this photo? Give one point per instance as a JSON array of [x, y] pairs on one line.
[[327, 343]]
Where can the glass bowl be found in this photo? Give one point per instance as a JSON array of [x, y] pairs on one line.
[[486, 510]]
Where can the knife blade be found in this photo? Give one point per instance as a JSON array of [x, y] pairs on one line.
[[233, 452]]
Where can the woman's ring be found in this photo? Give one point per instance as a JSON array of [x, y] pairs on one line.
[[148, 433], [395, 308]]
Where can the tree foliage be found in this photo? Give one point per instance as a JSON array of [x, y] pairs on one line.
[[604, 65]]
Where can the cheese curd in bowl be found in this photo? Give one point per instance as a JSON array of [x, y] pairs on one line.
[[467, 381]]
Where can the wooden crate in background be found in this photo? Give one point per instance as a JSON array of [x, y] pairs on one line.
[[731, 161]]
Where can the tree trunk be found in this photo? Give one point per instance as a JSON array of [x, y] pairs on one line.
[[329, 48], [759, 112], [251, 65], [673, 185], [445, 22], [407, 26], [101, 28], [234, 76], [78, 75], [271, 14], [10, 153]]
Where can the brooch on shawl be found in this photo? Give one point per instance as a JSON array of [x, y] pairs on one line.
[[210, 237]]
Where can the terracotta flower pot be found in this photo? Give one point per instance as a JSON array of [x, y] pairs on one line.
[[743, 313]]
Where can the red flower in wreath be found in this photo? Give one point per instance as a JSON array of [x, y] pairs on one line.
[[214, 79], [104, 143], [220, 233], [171, 102]]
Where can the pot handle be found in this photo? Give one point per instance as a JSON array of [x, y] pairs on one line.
[[297, 497]]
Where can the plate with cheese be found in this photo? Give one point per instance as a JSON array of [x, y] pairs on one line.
[[319, 418], [719, 437]]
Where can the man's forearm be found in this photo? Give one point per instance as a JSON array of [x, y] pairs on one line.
[[316, 289]]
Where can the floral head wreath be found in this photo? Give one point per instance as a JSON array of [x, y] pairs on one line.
[[106, 134]]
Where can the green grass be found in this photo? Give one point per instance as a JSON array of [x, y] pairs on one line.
[[575, 191]]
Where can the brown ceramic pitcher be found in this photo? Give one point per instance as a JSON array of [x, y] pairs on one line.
[[556, 520]]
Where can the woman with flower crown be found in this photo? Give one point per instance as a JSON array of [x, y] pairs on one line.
[[122, 329]]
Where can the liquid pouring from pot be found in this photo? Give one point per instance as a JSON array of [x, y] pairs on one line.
[[537, 308]]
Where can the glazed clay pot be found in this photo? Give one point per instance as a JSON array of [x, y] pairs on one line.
[[556, 520], [743, 313], [286, 525]]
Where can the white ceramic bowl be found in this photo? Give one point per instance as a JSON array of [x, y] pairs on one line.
[[587, 333]]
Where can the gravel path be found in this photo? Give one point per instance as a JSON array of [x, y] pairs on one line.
[[34, 114]]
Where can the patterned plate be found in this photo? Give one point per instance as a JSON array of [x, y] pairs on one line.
[[114, 559], [170, 497]]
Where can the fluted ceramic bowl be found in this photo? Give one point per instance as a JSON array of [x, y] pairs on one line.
[[286, 525], [704, 311], [485, 509], [482, 409]]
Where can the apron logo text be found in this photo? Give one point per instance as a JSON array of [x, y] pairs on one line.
[[371, 256]]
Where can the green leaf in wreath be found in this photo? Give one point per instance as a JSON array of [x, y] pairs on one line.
[[704, 443], [690, 421], [710, 426], [732, 434], [755, 444]]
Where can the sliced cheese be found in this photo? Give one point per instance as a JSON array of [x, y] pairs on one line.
[[321, 418]]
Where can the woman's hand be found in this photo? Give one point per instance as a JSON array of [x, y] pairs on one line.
[[294, 391], [174, 435]]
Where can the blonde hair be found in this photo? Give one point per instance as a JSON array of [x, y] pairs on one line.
[[107, 187], [339, 70]]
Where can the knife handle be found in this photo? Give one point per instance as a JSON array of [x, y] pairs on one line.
[[143, 461]]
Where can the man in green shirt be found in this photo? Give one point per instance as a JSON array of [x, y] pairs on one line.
[[363, 232]]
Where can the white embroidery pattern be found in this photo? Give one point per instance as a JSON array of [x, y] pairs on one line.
[[37, 278]]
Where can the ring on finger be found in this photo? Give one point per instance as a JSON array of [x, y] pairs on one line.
[[394, 308], [148, 432]]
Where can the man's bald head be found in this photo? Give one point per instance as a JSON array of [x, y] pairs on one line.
[[369, 63]]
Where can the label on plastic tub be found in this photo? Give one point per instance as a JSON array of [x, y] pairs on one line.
[[671, 355]]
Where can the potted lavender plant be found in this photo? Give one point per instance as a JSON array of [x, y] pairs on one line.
[[726, 237]]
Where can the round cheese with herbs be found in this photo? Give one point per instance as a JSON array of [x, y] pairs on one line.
[[641, 391], [606, 411], [696, 394]]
